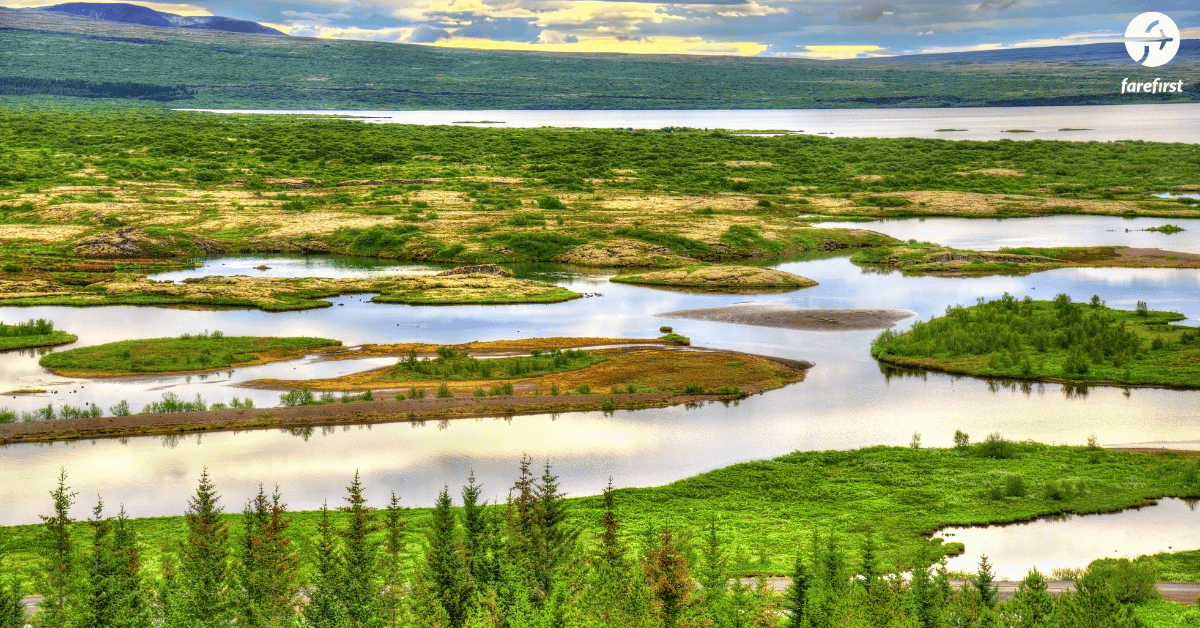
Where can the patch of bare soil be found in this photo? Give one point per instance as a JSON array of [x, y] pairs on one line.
[[658, 368], [773, 315], [1158, 257]]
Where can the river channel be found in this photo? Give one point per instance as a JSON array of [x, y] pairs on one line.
[[846, 401]]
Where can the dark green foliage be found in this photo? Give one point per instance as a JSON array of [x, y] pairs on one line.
[[446, 569], [677, 244], [550, 202], [39, 327], [394, 573], [1043, 340], [988, 592], [59, 577], [12, 608], [202, 598], [112, 593], [457, 365], [325, 607], [360, 557], [541, 246], [377, 239], [750, 240], [1031, 604], [669, 579], [268, 566], [796, 597], [996, 446], [481, 538], [1131, 582]]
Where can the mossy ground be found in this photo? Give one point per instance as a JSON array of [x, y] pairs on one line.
[[187, 353]]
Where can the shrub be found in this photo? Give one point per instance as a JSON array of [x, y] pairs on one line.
[[608, 405], [693, 389], [961, 440], [995, 446], [416, 393], [296, 397], [554, 389], [550, 202], [583, 389], [479, 392], [1014, 485], [444, 391], [665, 329], [121, 409], [504, 389], [915, 443]]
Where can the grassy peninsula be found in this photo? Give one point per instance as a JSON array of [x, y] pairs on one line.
[[1051, 340], [32, 333], [187, 353], [718, 277], [767, 510], [926, 258]]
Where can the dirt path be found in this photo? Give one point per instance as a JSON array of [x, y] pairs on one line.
[[1182, 592], [788, 317]]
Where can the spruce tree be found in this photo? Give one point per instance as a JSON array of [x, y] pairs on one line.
[[988, 593], [556, 547], [204, 573], [1031, 603], [714, 580], [481, 538], [796, 596], [668, 577], [445, 563], [324, 608], [869, 570], [392, 600], [58, 580], [111, 588], [1093, 605], [360, 591], [268, 572], [12, 608]]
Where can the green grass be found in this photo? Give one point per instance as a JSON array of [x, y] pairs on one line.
[[456, 365], [1056, 340], [186, 353], [767, 510], [51, 339], [1164, 614]]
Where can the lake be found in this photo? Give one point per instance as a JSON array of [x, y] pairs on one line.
[[847, 401], [1152, 123]]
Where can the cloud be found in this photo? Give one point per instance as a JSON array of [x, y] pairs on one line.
[[503, 29], [996, 5], [425, 34], [870, 14]]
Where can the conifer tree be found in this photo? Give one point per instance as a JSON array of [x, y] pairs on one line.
[[58, 580], [714, 580], [446, 568], [269, 567], [360, 592], [111, 592], [324, 608], [869, 570], [12, 608], [668, 577], [924, 598], [393, 565], [556, 538], [204, 573], [988, 593], [1031, 603], [613, 596], [481, 538], [797, 592], [1093, 605]]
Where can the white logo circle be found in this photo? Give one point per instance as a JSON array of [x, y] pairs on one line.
[[1152, 39]]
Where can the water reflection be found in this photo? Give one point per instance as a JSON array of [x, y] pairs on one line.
[[1073, 541], [847, 400]]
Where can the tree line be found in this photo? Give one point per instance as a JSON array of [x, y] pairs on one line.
[[513, 565]]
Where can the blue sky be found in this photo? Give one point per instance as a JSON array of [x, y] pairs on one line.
[[785, 28]]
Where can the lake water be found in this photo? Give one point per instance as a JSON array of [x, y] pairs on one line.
[[1072, 541], [991, 234], [846, 401], [1151, 123]]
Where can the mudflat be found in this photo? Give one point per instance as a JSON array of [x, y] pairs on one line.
[[788, 317]]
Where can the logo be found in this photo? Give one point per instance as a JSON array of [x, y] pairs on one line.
[[1152, 39]]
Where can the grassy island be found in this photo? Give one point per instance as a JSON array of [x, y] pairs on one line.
[[1051, 340], [187, 353], [925, 258], [720, 277], [33, 333]]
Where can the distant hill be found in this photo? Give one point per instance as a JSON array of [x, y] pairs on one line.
[[1093, 54], [67, 58], [143, 16]]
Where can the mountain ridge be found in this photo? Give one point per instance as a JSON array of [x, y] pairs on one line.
[[145, 16]]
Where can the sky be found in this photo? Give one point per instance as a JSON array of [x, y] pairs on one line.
[[816, 29]]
